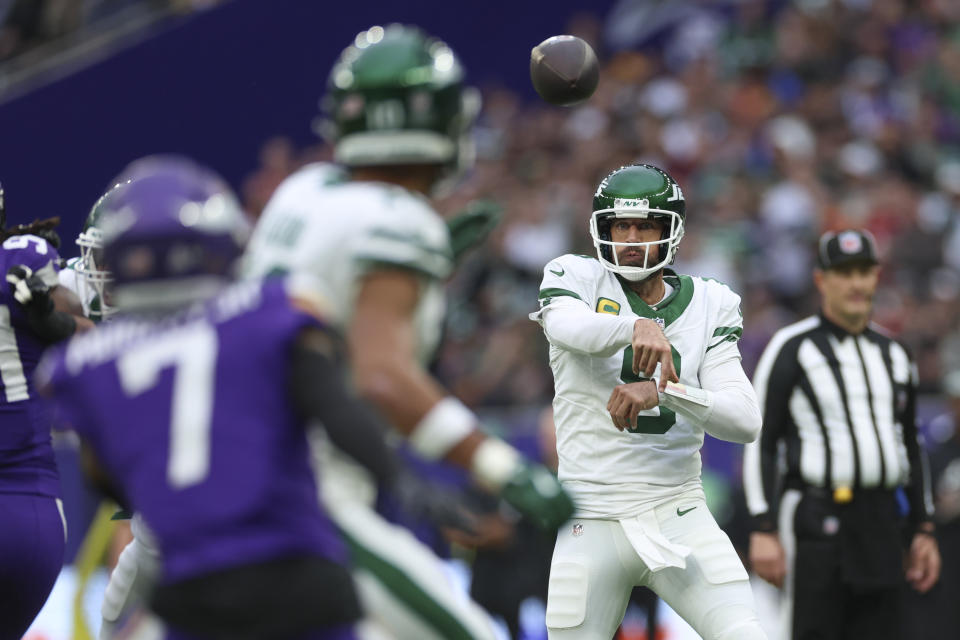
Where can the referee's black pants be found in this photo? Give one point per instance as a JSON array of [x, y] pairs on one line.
[[848, 568]]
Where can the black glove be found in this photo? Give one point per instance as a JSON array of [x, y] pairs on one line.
[[29, 289], [437, 504], [33, 294]]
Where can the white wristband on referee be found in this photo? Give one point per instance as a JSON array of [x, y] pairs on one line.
[[494, 463], [445, 425]]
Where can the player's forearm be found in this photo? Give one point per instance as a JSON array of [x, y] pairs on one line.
[[438, 426], [728, 414], [401, 390], [66, 301], [726, 407], [52, 326], [576, 328]]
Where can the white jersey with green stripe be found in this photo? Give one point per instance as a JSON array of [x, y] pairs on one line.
[[336, 231], [609, 473]]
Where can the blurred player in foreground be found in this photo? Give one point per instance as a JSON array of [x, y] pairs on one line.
[[32, 316], [222, 379], [645, 362], [399, 115]]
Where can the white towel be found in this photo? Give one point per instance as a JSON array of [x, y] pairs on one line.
[[654, 549]]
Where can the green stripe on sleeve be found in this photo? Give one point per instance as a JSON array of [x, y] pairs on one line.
[[412, 239], [726, 331], [419, 268], [556, 293], [729, 338]]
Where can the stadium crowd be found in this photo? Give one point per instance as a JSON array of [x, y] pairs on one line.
[[781, 121]]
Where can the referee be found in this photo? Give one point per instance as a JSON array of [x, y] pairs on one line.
[[839, 439]]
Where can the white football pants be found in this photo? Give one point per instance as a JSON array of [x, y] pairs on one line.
[[403, 587], [137, 569], [596, 564]]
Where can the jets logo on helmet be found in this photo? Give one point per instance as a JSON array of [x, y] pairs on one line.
[[397, 96], [638, 191]]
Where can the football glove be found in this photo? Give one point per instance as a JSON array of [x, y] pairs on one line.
[[33, 294], [470, 227], [438, 505], [29, 289], [536, 493]]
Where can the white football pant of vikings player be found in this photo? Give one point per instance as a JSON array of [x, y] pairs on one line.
[[131, 580], [597, 563], [139, 563]]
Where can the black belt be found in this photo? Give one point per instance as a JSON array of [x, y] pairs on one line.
[[843, 494]]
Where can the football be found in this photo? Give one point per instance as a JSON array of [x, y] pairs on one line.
[[564, 70]]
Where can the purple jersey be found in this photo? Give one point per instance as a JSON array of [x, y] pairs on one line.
[[191, 418], [26, 455]]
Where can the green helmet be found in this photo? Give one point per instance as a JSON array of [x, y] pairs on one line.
[[94, 276], [396, 96], [638, 191]]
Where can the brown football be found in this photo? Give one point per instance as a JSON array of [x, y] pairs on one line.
[[564, 70]]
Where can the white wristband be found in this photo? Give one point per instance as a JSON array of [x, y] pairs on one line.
[[444, 426], [690, 394], [494, 463]]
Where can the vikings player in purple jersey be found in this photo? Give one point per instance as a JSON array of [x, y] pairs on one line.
[[32, 530], [192, 408]]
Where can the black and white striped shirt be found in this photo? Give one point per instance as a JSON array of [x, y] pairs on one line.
[[841, 408]]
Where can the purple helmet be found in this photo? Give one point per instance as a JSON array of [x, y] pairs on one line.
[[172, 232]]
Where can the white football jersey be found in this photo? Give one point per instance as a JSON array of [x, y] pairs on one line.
[[614, 474], [335, 231], [71, 279]]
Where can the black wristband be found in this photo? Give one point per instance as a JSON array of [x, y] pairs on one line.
[[764, 523]]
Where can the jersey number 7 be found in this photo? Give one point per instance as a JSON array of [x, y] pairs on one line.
[[192, 351]]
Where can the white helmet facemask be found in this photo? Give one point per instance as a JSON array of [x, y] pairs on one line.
[[94, 279], [607, 249]]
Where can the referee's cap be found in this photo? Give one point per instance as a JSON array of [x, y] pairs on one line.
[[850, 246]]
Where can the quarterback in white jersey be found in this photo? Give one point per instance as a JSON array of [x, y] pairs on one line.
[[645, 362], [367, 235]]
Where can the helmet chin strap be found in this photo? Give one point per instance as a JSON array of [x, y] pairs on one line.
[[642, 277], [639, 277]]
